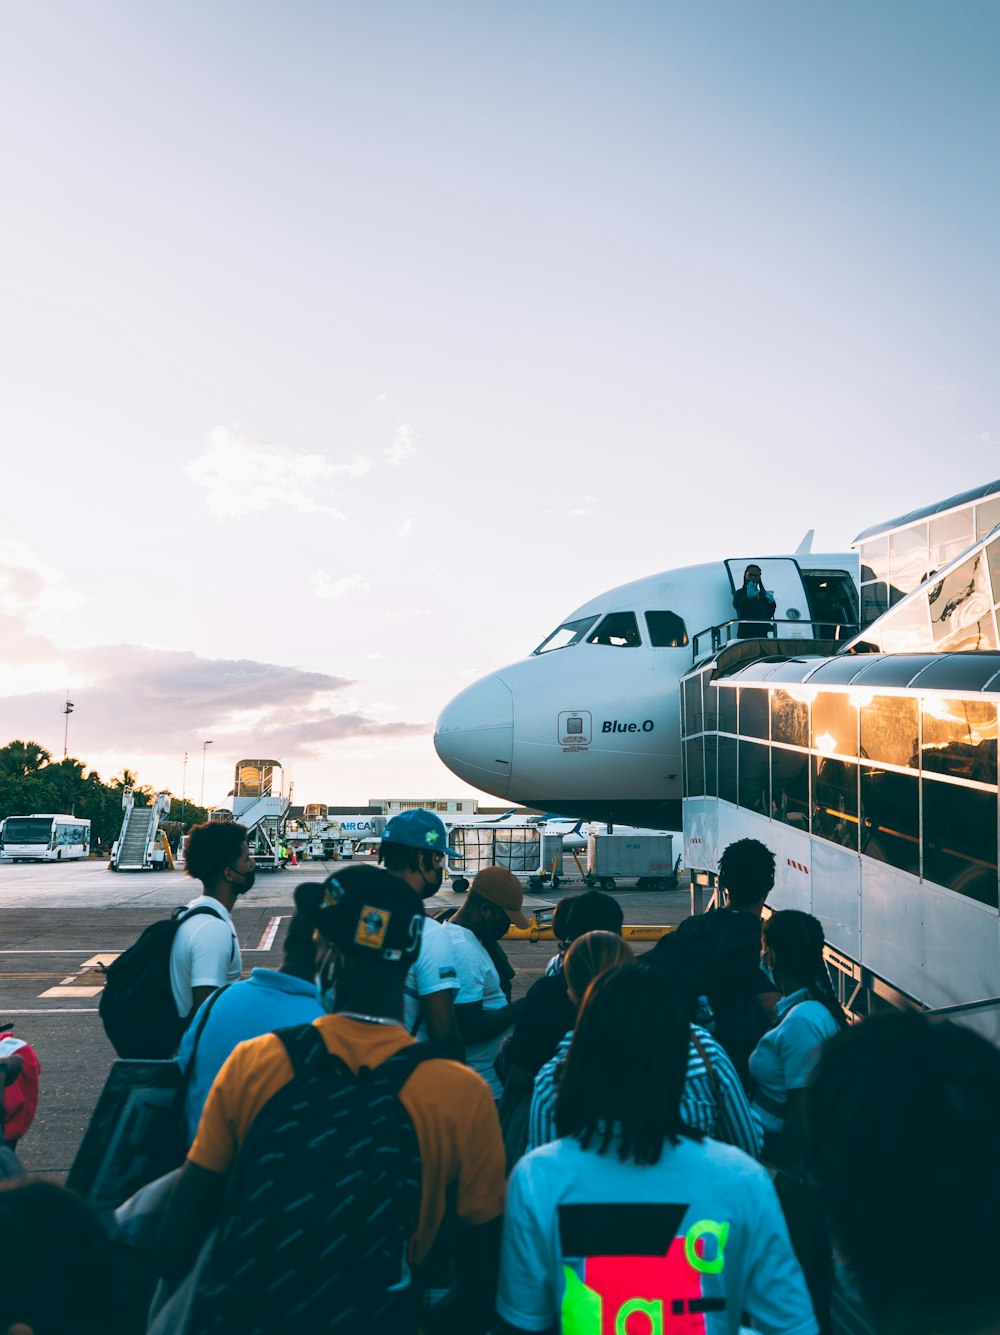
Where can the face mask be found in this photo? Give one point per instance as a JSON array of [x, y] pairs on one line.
[[434, 886], [248, 879], [326, 980], [765, 970]]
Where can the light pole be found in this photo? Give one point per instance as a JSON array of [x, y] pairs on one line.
[[184, 781], [67, 710], [204, 748]]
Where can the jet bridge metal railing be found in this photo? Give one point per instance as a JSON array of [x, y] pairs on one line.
[[714, 638]]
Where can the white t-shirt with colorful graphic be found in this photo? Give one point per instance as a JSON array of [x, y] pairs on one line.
[[681, 1247]]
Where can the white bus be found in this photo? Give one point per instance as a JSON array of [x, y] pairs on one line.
[[44, 838]]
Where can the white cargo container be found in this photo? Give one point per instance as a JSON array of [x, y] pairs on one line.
[[647, 858]]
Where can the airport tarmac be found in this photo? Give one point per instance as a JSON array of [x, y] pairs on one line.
[[60, 921]]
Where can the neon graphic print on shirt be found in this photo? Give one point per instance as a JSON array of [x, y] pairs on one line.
[[634, 1270]]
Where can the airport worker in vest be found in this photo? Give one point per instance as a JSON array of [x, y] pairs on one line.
[[484, 1013], [344, 1145], [754, 606], [268, 999], [414, 847], [631, 1220], [206, 952]]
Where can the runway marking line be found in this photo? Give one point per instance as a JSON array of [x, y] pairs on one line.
[[270, 932]]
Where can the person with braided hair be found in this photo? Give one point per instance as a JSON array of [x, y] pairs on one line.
[[781, 1066], [805, 1017]]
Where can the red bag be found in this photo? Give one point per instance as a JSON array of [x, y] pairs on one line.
[[20, 1097]]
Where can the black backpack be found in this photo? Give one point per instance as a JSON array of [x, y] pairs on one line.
[[137, 1004], [322, 1205], [687, 956]]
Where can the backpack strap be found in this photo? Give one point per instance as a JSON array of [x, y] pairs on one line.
[[397, 1069], [305, 1047], [182, 914]]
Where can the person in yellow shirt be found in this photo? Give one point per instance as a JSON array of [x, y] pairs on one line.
[[273, 1116]]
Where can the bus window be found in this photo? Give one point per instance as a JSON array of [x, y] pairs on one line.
[[666, 630], [572, 632], [619, 630]]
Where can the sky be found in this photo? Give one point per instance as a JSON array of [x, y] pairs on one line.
[[345, 349]]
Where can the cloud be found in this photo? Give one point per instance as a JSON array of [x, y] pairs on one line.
[[327, 587], [405, 529], [241, 477], [29, 585], [134, 701], [404, 445]]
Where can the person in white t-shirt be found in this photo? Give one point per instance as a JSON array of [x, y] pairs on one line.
[[632, 1219], [484, 1014], [205, 952], [414, 845]]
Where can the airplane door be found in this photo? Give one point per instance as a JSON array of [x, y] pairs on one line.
[[783, 581]]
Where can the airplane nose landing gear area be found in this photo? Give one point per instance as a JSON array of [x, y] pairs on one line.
[[474, 735]]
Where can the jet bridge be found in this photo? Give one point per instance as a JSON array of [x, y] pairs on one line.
[[141, 844], [259, 802]]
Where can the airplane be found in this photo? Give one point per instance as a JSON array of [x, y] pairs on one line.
[[588, 725]]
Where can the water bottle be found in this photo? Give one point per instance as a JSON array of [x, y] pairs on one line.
[[704, 1016]]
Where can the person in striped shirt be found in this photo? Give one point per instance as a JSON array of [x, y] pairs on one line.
[[713, 1100]]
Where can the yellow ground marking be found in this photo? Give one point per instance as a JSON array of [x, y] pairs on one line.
[[63, 991]]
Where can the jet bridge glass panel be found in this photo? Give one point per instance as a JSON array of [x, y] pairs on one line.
[[987, 516], [694, 767], [790, 716], [618, 630], [959, 738], [950, 535], [960, 839], [908, 559], [754, 712], [890, 731], [754, 777], [835, 801], [961, 608], [790, 787], [834, 724], [890, 818]]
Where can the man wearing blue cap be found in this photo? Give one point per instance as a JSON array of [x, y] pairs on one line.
[[414, 846]]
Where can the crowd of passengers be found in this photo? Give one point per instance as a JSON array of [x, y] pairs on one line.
[[380, 1139]]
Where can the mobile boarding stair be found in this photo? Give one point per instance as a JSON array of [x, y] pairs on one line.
[[259, 802], [142, 845]]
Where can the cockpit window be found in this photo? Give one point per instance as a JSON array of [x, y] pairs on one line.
[[572, 632], [618, 629], [666, 630]]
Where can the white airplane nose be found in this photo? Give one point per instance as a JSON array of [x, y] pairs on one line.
[[474, 735]]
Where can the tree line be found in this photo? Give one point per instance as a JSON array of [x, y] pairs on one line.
[[31, 781]]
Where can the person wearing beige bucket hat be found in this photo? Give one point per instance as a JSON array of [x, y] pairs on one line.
[[484, 1015]]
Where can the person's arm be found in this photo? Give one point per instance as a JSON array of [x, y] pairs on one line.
[[200, 995], [478, 1025], [738, 1124], [768, 1003], [193, 1210], [438, 1013]]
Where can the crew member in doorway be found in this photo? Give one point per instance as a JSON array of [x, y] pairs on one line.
[[753, 600]]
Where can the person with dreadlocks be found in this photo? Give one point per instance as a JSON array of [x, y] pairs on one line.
[[805, 1017]]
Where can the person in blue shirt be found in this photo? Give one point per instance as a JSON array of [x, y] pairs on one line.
[[805, 1017], [269, 999]]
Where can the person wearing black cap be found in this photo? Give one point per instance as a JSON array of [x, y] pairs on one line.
[[754, 606], [414, 845], [368, 933]]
